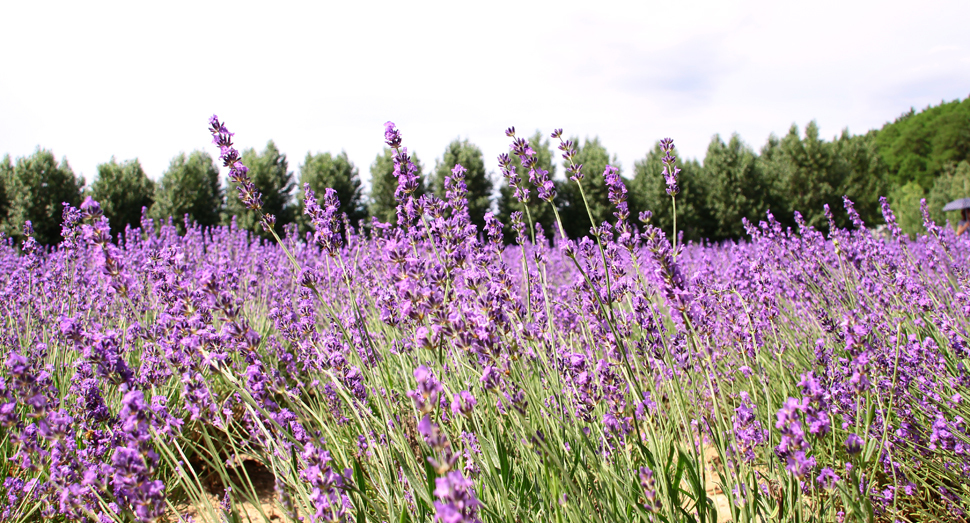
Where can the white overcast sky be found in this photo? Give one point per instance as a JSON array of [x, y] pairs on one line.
[[91, 80]]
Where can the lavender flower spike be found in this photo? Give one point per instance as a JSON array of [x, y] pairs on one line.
[[671, 171], [238, 172]]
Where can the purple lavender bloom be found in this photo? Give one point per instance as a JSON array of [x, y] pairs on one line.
[[747, 429], [670, 171], [392, 137], [853, 444], [463, 403], [649, 486], [827, 478], [426, 396], [457, 502], [238, 172], [325, 220], [617, 192]]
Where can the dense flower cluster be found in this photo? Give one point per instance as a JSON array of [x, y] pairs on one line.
[[424, 372]]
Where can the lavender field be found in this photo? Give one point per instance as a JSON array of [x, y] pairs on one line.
[[423, 371]]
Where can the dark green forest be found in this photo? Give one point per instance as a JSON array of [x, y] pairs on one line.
[[924, 154]]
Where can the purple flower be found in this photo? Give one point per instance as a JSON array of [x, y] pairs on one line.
[[456, 499], [670, 171], [827, 478], [747, 429], [238, 172], [392, 137], [426, 396], [649, 486], [325, 220], [463, 403], [853, 444]]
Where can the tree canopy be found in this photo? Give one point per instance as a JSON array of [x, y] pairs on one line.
[[36, 189], [123, 189], [190, 187]]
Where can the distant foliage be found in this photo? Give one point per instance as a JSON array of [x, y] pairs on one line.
[[736, 187], [269, 171], [476, 179], [190, 187], [123, 189], [324, 170], [906, 201], [383, 183], [918, 146], [36, 188], [953, 184]]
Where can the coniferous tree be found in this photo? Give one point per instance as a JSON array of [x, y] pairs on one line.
[[269, 172], [477, 181], [593, 157], [37, 188], [649, 193], [735, 187], [810, 176], [123, 189], [540, 211], [865, 174], [323, 171], [382, 204], [190, 187]]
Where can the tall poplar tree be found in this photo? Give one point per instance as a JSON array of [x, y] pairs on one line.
[[123, 189], [190, 187]]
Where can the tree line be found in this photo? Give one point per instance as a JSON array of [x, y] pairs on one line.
[[919, 155]]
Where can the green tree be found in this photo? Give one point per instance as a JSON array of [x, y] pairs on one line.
[[810, 175], [190, 187], [735, 187], [37, 188], [382, 204], [269, 172], [953, 184], [905, 203], [593, 157], [323, 170], [477, 181], [649, 193], [540, 210], [917, 146], [865, 174], [123, 189]]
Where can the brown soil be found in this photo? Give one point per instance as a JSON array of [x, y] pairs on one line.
[[264, 484]]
